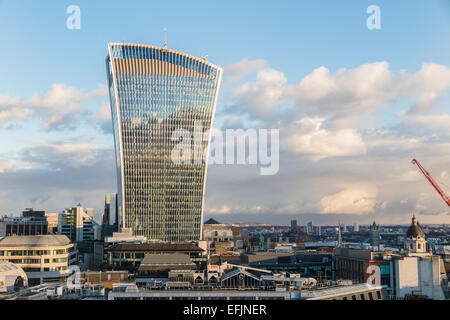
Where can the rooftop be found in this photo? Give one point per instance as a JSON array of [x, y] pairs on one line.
[[35, 241], [156, 247], [171, 258]]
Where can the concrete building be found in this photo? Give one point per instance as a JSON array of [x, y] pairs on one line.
[[310, 228], [12, 278], [419, 272], [44, 258], [294, 227], [419, 276], [132, 292], [125, 236], [309, 264], [159, 265], [31, 222], [128, 256], [110, 219], [78, 224], [415, 272], [104, 278], [352, 292], [217, 233], [353, 264], [52, 221]]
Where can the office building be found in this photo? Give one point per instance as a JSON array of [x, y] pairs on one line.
[[153, 93], [78, 224], [44, 258], [353, 264], [111, 213], [122, 256], [309, 264], [31, 222], [294, 227], [310, 228], [110, 219], [52, 221]]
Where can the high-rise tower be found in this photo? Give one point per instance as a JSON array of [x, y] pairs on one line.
[[153, 92]]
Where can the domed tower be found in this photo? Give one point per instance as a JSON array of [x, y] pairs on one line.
[[415, 238]]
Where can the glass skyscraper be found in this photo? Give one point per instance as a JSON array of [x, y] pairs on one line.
[[153, 92]]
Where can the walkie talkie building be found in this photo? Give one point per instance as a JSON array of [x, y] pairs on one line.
[[153, 92]]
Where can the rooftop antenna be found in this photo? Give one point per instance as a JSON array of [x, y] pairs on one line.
[[165, 38]]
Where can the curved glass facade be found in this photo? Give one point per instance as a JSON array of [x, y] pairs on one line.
[[155, 91]]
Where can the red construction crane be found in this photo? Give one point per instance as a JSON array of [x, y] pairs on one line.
[[433, 183]]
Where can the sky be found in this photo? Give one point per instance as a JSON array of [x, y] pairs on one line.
[[353, 105]]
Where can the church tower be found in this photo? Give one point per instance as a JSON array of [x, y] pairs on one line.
[[415, 238]]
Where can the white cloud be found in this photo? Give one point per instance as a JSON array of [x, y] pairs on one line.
[[58, 105], [430, 203], [266, 93], [10, 114], [54, 155], [426, 124], [410, 175], [424, 86], [60, 95], [308, 137], [355, 200], [346, 92], [3, 165], [103, 113], [218, 211], [234, 72]]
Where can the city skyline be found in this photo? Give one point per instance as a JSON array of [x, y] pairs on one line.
[[353, 105]]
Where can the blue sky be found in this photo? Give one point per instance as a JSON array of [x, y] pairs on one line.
[[293, 38]]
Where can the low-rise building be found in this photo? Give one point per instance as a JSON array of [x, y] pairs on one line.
[[128, 256], [44, 258], [12, 278], [353, 264], [52, 221], [415, 272], [352, 292], [159, 265], [309, 264], [32, 222]]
